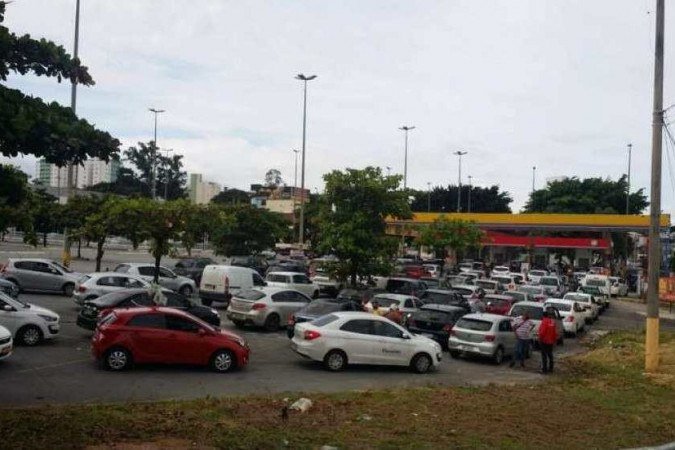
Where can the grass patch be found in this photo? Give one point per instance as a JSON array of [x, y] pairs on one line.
[[600, 400]]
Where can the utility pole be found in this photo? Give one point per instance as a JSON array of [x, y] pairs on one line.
[[534, 171], [153, 187], [168, 172], [459, 154], [304, 79], [406, 128], [428, 196], [630, 148], [468, 207], [652, 335], [295, 184]]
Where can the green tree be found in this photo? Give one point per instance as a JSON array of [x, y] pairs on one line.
[[28, 125], [14, 198], [202, 219], [102, 224], [352, 220], [454, 235], [483, 199], [75, 213], [232, 197], [246, 230], [45, 213]]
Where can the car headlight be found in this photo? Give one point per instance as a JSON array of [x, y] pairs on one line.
[[47, 318]]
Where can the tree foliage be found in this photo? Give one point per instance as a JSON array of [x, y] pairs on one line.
[[246, 230], [45, 215], [456, 235], [14, 198], [273, 178], [232, 197], [440, 199], [352, 219], [102, 224]]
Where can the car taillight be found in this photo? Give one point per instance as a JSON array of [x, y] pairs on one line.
[[291, 320], [447, 328], [310, 335], [81, 288], [258, 306], [490, 337], [569, 319]]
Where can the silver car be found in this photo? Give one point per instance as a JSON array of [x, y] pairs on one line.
[[481, 334], [41, 275], [97, 284], [268, 307], [167, 278]]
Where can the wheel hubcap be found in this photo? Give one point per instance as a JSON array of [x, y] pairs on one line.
[[335, 361], [31, 336], [223, 361], [117, 360], [422, 364]]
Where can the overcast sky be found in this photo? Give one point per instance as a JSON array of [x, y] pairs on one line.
[[561, 85]]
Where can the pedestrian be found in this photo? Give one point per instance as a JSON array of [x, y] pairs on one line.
[[548, 336], [376, 309], [394, 314], [522, 326]]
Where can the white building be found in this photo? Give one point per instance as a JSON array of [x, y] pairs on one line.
[[91, 172], [201, 192]]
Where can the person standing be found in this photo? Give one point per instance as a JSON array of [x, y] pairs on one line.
[[523, 327], [394, 314], [548, 336]]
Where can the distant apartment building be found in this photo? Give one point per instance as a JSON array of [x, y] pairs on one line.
[[91, 172], [283, 199], [201, 192]]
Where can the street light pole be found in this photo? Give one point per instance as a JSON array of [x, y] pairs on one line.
[[459, 154], [406, 128], [156, 112], [630, 149], [428, 196], [304, 79], [534, 171], [166, 184], [468, 207], [295, 184]]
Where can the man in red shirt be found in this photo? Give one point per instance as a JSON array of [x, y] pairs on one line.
[[548, 336]]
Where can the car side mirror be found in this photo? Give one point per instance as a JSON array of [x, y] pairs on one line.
[[8, 308], [405, 336]]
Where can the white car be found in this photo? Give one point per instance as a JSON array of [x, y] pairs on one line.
[[295, 281], [343, 338], [499, 270], [506, 280], [5, 343], [619, 287], [536, 274], [572, 313], [29, 324], [586, 301], [405, 303], [96, 284]]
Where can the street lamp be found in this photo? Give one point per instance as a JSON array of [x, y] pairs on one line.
[[534, 171], [295, 184], [459, 154], [630, 149], [405, 161], [154, 154], [468, 207], [166, 184], [304, 79]]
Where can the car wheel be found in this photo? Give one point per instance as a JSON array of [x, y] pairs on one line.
[[454, 354], [29, 335], [68, 289], [421, 363], [498, 357], [222, 361], [117, 359], [273, 322], [335, 360], [186, 291], [206, 302]]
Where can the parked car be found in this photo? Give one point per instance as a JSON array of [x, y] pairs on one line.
[[490, 286], [498, 304], [40, 275], [219, 282], [519, 278], [431, 282], [319, 308], [619, 287], [327, 284], [537, 292], [446, 297], [500, 270], [9, 288], [94, 285], [167, 278], [434, 270], [165, 335], [519, 296], [286, 266], [588, 302], [535, 274], [268, 307], [507, 281], [460, 279], [343, 338], [470, 292], [435, 322], [535, 311], [482, 334], [406, 286], [95, 309], [552, 285], [296, 281], [6, 343], [29, 324], [598, 296], [572, 313], [406, 303], [192, 268], [257, 263]]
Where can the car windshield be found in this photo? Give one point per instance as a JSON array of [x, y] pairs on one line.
[[249, 294], [533, 312], [595, 282], [497, 302], [324, 320], [578, 298], [439, 298], [15, 302], [518, 296], [113, 298], [429, 315], [560, 306], [319, 308], [385, 302], [474, 324], [64, 268], [530, 289], [548, 281], [486, 284], [537, 273], [466, 266], [504, 280]]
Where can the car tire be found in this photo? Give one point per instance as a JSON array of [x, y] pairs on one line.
[[29, 335], [117, 359], [272, 322], [185, 291], [206, 302], [335, 360], [68, 289], [454, 354], [223, 361], [498, 357], [421, 363]]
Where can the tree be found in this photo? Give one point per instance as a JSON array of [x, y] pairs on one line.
[[245, 230], [170, 170], [587, 196], [202, 219], [14, 197], [232, 197], [489, 199], [456, 235], [28, 125], [45, 213], [352, 220], [273, 178], [103, 223], [127, 184], [75, 214]]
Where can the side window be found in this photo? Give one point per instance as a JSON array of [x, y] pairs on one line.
[[300, 279], [257, 280], [386, 330], [182, 264], [107, 281], [165, 273], [281, 297], [181, 324], [202, 264], [24, 265], [359, 326], [505, 325], [417, 303], [132, 283], [42, 267], [408, 303], [142, 300], [175, 300], [146, 271], [147, 321], [300, 298], [122, 268]]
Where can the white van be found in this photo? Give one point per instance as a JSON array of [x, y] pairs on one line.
[[219, 282], [602, 282]]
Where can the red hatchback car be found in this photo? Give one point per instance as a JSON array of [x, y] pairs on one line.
[[167, 336], [498, 304]]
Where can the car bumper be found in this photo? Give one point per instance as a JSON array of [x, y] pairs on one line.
[[5, 351], [51, 330], [477, 348], [439, 336], [307, 349], [243, 356], [251, 317], [215, 296], [570, 327]]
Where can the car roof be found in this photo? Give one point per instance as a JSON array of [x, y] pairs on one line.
[[392, 296], [444, 308], [466, 286], [442, 291], [44, 260], [125, 312], [560, 300], [268, 290], [112, 274], [526, 303], [404, 279], [357, 315], [499, 297], [485, 316], [285, 273]]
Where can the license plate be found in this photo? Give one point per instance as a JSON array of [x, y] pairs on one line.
[[468, 348]]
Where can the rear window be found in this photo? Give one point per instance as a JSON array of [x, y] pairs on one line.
[[516, 296], [464, 291], [537, 273], [561, 306], [578, 298], [385, 302], [530, 289], [427, 315], [250, 294], [324, 320], [437, 297], [504, 280], [277, 278], [548, 281], [474, 324], [321, 308], [83, 279], [486, 284], [397, 285], [596, 282], [533, 312]]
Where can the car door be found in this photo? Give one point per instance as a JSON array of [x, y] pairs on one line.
[[146, 272], [358, 342], [47, 278], [186, 344], [303, 284], [168, 279], [506, 336], [148, 335], [9, 319], [393, 348], [26, 274], [295, 301]]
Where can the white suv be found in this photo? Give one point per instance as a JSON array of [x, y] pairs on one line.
[[29, 324]]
